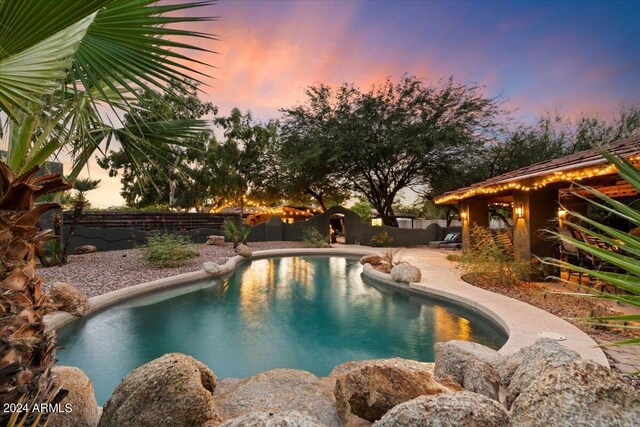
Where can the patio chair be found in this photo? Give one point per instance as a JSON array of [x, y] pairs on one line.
[[591, 262], [454, 243], [447, 239]]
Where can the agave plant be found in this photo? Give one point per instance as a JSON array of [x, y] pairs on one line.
[[28, 350], [59, 62], [628, 243]]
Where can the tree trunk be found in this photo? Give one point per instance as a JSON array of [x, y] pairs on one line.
[[319, 198], [77, 214], [28, 349]]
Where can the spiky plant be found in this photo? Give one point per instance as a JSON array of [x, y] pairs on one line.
[[627, 278], [27, 350]]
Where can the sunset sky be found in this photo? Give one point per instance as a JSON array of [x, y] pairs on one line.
[[571, 56]]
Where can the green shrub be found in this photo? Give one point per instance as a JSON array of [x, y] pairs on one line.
[[381, 240], [313, 238], [236, 232], [169, 250], [490, 258]]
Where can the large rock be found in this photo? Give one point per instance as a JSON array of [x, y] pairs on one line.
[[406, 273], [244, 251], [470, 364], [215, 240], [211, 267], [578, 393], [371, 259], [280, 391], [85, 249], [68, 298], [270, 419], [464, 409], [396, 361], [173, 390], [370, 391], [80, 408], [532, 361]]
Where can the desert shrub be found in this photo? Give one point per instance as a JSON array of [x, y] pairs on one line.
[[382, 240], [389, 259], [236, 232], [313, 238], [169, 250], [490, 258]]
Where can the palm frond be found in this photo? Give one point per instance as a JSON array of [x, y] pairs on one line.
[[34, 62]]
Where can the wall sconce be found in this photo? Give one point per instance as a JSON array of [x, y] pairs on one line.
[[518, 209], [562, 213], [463, 215]]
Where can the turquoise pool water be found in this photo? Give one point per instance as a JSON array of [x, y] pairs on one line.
[[309, 313]]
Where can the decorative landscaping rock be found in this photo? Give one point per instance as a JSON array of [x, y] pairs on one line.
[[281, 391], [68, 298], [469, 364], [464, 409], [244, 251], [215, 240], [211, 267], [406, 273], [577, 393], [370, 391], [371, 259], [533, 361], [81, 400], [270, 419], [396, 361], [173, 390], [85, 249]]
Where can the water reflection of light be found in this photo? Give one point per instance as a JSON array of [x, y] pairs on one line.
[[256, 281], [449, 327]]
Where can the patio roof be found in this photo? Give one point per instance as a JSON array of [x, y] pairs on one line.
[[574, 167]]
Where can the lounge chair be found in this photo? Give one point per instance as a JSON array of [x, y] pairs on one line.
[[447, 239]]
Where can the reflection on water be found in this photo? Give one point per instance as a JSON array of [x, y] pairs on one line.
[[309, 313]]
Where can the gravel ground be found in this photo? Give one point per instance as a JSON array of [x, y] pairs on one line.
[[103, 272]]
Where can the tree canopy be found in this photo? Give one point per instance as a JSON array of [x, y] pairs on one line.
[[394, 136]]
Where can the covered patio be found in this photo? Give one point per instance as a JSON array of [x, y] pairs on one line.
[[539, 195]]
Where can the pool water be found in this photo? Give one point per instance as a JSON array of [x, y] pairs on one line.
[[309, 313]]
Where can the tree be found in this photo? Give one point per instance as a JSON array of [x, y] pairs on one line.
[[174, 186], [397, 135], [58, 61], [82, 186], [364, 211]]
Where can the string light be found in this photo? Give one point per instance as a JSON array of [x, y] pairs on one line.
[[575, 175]]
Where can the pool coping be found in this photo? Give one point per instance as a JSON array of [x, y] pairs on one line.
[[521, 322]]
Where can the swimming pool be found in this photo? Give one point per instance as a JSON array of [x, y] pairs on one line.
[[309, 313]]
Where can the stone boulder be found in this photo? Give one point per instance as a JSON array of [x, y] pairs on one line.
[[578, 393], [80, 406], [270, 419], [532, 361], [371, 259], [243, 251], [370, 391], [68, 298], [215, 240], [472, 365], [280, 391], [396, 361], [464, 409], [85, 249], [406, 273], [173, 390], [211, 267]]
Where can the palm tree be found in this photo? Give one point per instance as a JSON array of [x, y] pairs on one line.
[[59, 61], [82, 186]]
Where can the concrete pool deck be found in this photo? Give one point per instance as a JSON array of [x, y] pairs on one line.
[[523, 322]]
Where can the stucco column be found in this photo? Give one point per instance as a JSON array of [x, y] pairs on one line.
[[538, 209], [476, 212]]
